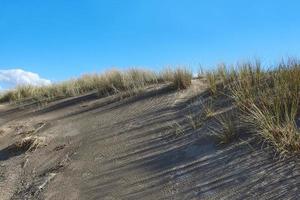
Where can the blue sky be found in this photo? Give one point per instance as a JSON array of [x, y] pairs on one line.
[[59, 39]]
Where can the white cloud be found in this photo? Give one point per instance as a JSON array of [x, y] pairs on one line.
[[13, 77]]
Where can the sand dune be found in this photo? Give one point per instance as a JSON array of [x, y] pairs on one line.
[[141, 147]]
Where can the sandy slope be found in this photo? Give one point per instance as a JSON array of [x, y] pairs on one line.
[[134, 149]]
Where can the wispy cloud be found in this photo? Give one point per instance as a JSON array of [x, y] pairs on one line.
[[14, 77]]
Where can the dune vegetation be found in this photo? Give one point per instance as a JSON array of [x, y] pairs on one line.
[[267, 100], [110, 82]]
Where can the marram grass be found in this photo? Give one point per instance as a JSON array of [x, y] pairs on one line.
[[268, 100], [105, 84]]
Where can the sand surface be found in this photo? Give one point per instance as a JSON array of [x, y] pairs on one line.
[[142, 147]]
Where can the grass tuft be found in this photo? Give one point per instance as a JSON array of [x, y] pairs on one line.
[[182, 78], [267, 99], [29, 143], [225, 128]]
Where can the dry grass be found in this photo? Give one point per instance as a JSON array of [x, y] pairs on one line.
[[105, 84], [182, 78], [196, 117], [225, 129], [177, 128], [212, 81], [268, 100], [29, 143], [208, 108]]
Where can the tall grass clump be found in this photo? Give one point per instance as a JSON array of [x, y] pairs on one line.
[[218, 78], [180, 77], [212, 81], [269, 101], [225, 128]]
